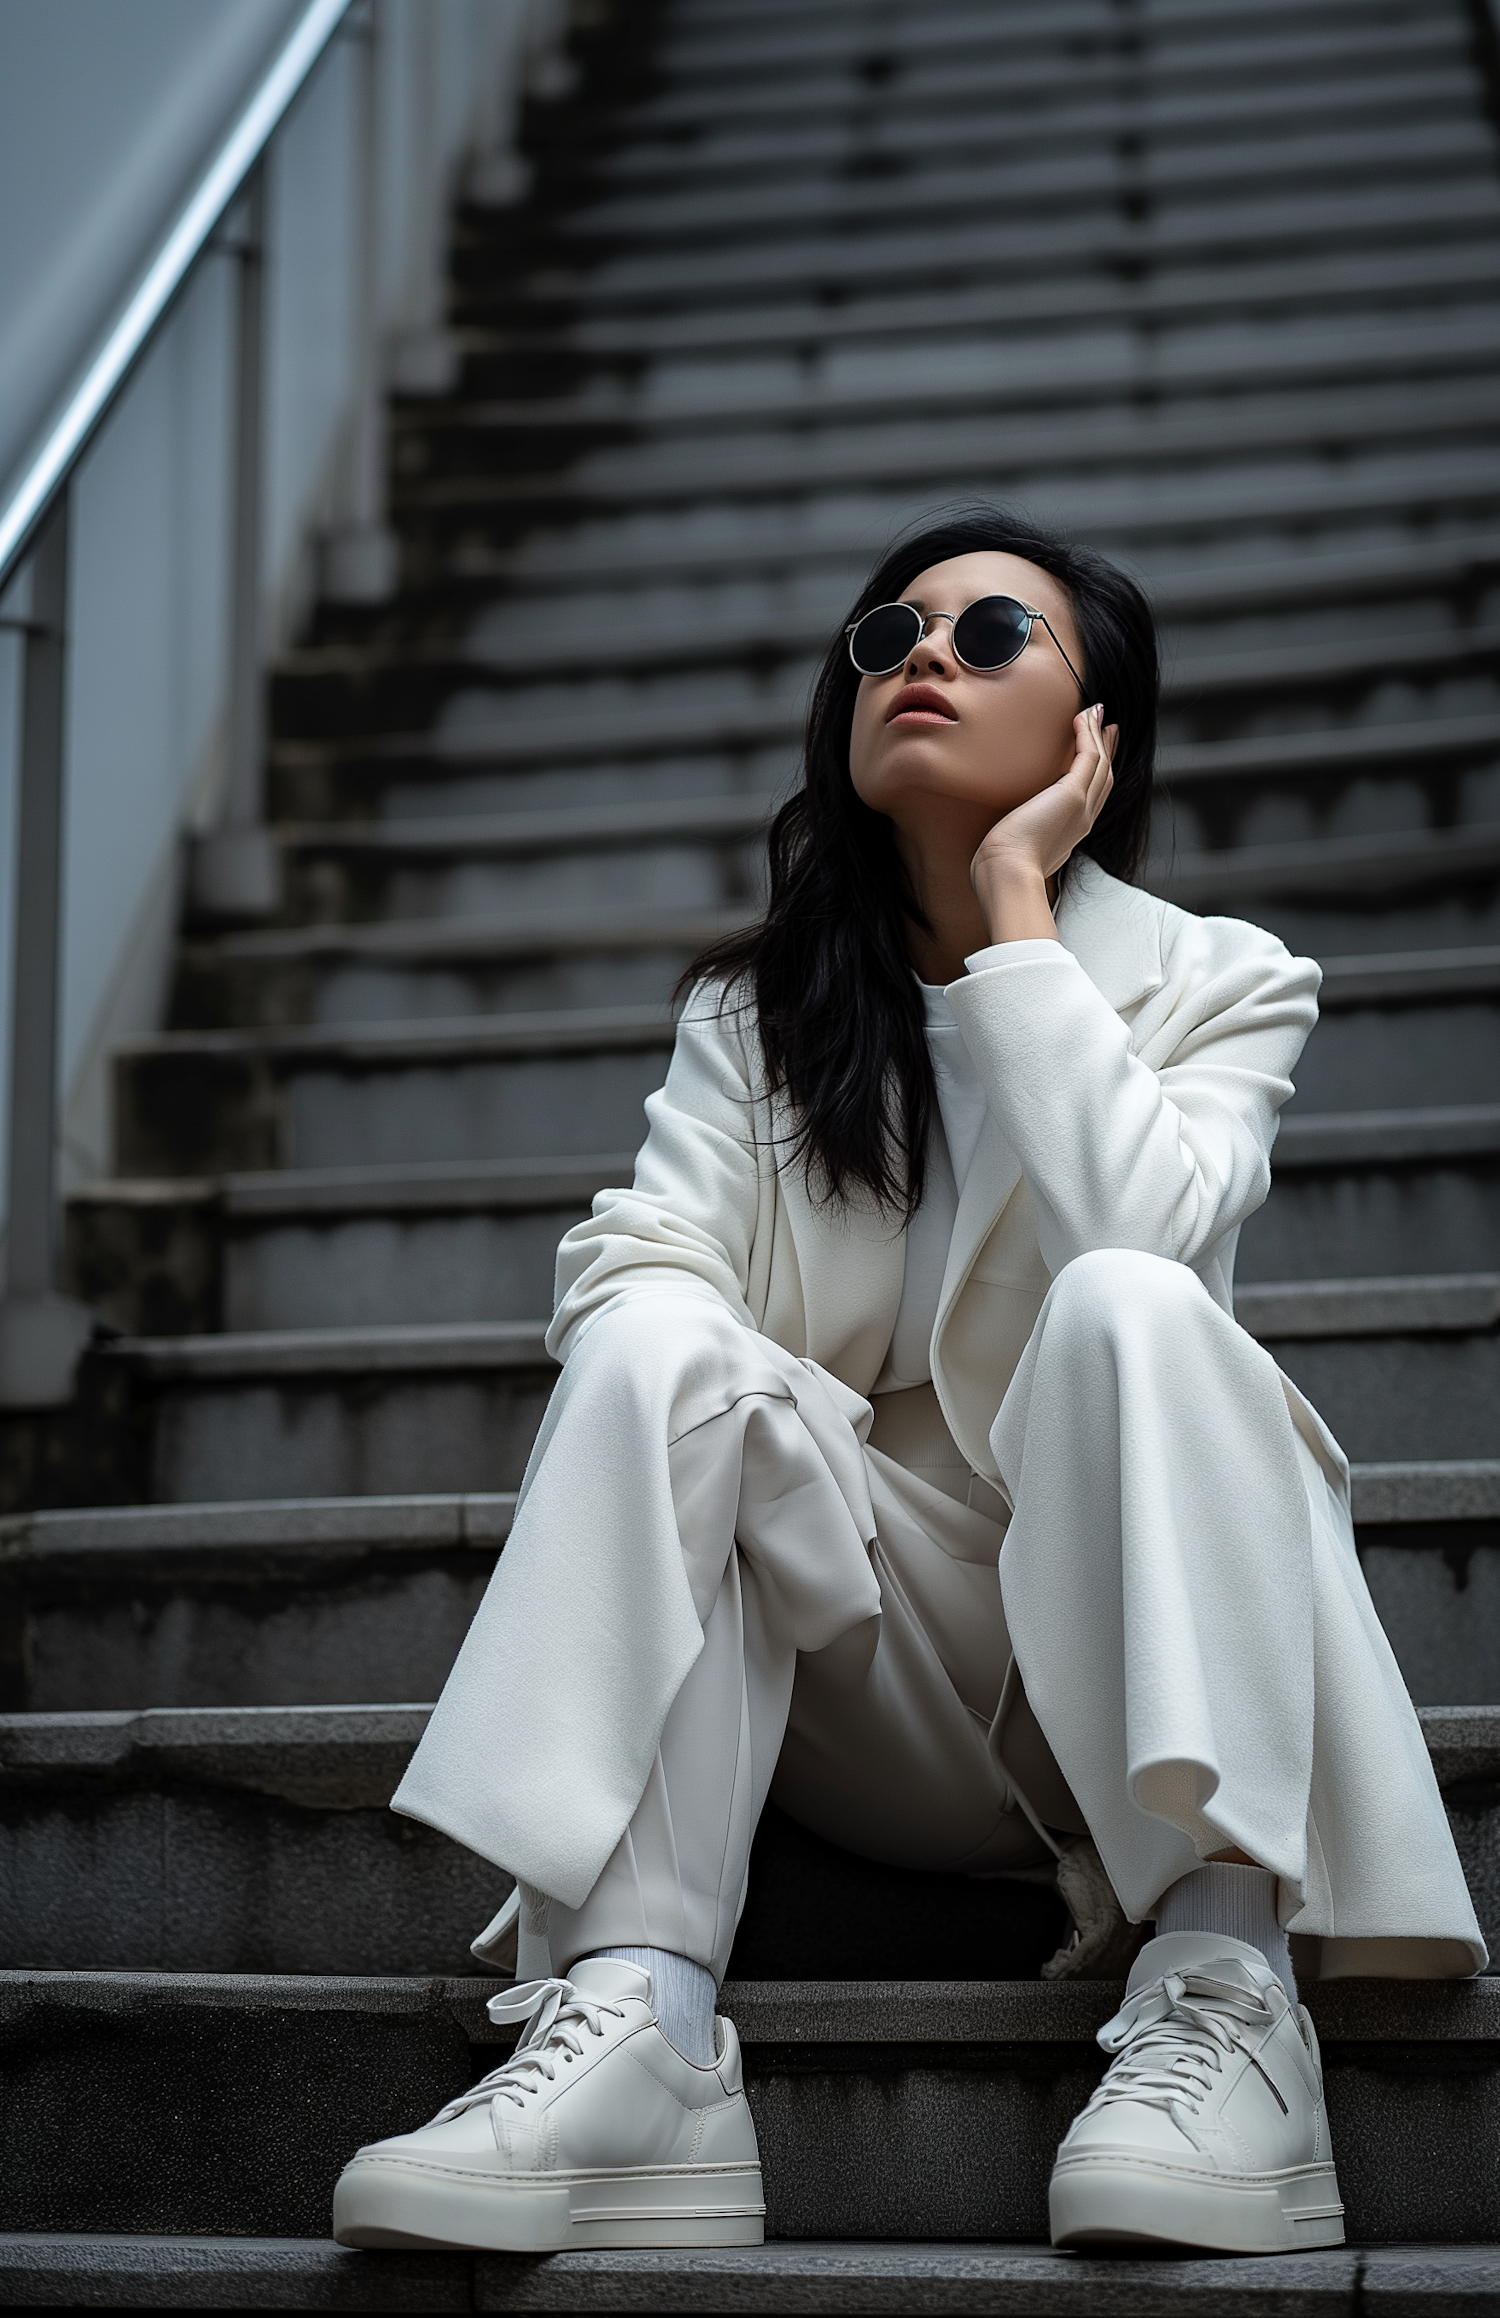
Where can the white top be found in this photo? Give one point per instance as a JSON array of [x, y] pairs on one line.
[[955, 1138]]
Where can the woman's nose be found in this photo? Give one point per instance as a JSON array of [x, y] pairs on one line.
[[933, 650]]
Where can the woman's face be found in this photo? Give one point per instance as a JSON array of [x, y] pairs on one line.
[[935, 741]]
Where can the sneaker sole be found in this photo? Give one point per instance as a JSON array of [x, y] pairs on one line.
[[1123, 2201], [386, 2201]]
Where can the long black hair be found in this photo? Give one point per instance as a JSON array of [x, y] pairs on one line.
[[839, 1010]]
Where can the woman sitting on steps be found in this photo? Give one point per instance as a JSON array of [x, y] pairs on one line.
[[926, 1273]]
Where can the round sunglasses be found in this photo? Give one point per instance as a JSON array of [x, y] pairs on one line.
[[989, 633]]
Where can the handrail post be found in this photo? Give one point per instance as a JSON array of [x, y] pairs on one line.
[[361, 560], [246, 722], [42, 1332], [236, 867]]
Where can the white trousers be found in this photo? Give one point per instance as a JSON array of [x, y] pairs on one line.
[[722, 1578]]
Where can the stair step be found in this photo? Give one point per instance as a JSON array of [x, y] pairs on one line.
[[530, 1085], [340, 1246], [1364, 88], [1308, 279], [323, 1601], [851, 2087], [691, 854], [936, 188], [920, 457], [296, 1602], [1200, 232], [1017, 74], [1025, 2281], [1402, 1368], [1127, 514], [1100, 360], [475, 1239]]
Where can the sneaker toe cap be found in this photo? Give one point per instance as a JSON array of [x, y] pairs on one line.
[[1129, 2128]]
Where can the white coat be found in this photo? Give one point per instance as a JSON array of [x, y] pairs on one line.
[[1134, 1071]]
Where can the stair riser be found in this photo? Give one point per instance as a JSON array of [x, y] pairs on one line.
[[215, 992], [1126, 512], [1436, 1587], [190, 1880], [238, 1630], [394, 1434], [1344, 1223], [1385, 1057], [910, 458], [177, 1115], [807, 151], [174, 1270], [316, 787], [877, 2142], [247, 1630], [1082, 184], [351, 1436], [1402, 1396], [688, 873], [1092, 367], [188, 1271], [173, 1267], [718, 63], [1456, 911], [372, 1270], [1179, 230]]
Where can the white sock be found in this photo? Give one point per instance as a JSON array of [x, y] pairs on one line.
[[1239, 1901], [684, 1994]]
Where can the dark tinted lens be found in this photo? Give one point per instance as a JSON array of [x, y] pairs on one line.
[[883, 638], [990, 633]]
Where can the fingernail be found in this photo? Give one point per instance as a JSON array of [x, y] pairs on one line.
[[1098, 711]]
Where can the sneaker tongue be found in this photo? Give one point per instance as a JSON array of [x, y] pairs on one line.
[[610, 1977], [1198, 1952]]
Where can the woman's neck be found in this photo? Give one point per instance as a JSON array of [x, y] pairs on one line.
[[937, 862]]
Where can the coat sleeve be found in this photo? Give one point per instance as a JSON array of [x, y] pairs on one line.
[[1154, 1135], [688, 1223]]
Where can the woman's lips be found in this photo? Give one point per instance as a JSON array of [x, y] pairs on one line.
[[921, 704]]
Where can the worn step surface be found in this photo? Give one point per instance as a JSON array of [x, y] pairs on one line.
[[891, 2110], [1003, 2281], [321, 1601], [1404, 1366], [259, 1839]]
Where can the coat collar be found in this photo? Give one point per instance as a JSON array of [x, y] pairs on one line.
[[1114, 931]]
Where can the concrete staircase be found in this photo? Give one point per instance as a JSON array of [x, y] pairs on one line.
[[1212, 281]]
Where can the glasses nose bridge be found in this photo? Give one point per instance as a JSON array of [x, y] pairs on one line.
[[927, 619]]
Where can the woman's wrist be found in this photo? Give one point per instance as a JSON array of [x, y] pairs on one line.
[[1012, 892]]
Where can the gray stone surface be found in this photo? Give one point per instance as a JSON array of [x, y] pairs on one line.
[[1008, 2281], [882, 2135], [1445, 1304]]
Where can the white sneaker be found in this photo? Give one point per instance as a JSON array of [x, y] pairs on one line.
[[596, 2132], [1209, 2128]]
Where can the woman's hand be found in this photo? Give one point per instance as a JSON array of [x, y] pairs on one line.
[[1010, 872]]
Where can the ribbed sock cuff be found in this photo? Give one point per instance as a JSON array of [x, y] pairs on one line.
[[684, 1994], [1238, 1901]]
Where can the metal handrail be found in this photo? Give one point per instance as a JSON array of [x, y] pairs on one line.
[[71, 431]]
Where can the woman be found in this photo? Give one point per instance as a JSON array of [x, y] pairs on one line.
[[927, 1271]]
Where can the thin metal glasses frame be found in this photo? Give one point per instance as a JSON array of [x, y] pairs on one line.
[[925, 620]]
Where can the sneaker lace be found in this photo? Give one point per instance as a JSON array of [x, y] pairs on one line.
[[1171, 2039], [557, 2017]]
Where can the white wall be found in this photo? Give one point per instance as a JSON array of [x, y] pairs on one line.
[[102, 112]]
